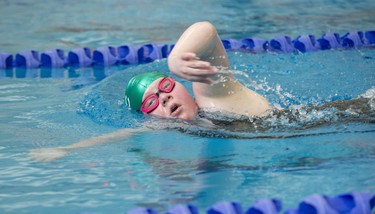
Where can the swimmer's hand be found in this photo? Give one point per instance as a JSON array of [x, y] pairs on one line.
[[48, 154], [189, 67]]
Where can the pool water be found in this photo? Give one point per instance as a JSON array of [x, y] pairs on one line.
[[70, 24], [193, 164]]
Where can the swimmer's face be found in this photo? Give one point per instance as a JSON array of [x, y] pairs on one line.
[[176, 104]]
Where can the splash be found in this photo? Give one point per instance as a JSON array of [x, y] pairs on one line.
[[280, 97], [370, 95]]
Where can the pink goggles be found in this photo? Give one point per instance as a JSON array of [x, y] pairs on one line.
[[151, 102]]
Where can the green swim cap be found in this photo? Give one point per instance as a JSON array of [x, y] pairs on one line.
[[137, 86]]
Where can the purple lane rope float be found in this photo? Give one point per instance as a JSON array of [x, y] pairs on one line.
[[138, 54], [349, 203]]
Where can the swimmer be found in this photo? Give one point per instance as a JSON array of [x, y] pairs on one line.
[[198, 56]]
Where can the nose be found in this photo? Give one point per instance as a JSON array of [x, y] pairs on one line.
[[164, 98]]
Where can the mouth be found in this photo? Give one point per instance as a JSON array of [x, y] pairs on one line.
[[175, 110]]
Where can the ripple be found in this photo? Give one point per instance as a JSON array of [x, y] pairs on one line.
[[12, 86], [16, 98]]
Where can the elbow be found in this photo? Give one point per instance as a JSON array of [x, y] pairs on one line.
[[205, 26]]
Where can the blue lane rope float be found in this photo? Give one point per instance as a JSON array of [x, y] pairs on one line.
[[349, 203], [27, 59], [138, 54], [53, 58]]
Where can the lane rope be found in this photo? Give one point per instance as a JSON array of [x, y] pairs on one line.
[[139, 54]]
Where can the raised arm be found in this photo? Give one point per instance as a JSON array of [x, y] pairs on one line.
[[50, 154], [196, 53], [197, 56]]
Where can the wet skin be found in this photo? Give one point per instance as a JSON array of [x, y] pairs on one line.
[[176, 104]]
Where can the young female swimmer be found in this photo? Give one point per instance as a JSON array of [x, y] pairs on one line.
[[196, 57]]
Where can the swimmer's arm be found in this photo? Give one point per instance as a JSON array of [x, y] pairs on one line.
[[112, 137], [50, 154], [196, 53]]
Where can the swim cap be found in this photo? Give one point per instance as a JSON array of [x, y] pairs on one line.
[[137, 86]]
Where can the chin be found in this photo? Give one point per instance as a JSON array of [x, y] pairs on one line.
[[189, 115]]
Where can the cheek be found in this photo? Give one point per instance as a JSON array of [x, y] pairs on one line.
[[182, 94], [159, 111]]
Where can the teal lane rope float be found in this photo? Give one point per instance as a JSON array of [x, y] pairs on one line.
[[138, 54]]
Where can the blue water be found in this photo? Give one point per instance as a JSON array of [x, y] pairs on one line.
[[49, 108], [68, 24]]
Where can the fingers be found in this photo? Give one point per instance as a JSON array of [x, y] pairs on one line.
[[200, 64], [193, 61], [199, 72], [188, 66], [196, 75], [189, 56]]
